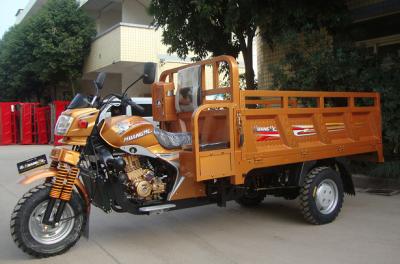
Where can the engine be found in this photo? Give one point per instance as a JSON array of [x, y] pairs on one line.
[[143, 184]]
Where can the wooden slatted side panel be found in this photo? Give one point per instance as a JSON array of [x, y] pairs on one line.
[[303, 126]]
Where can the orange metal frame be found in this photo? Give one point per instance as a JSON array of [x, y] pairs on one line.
[[295, 133], [215, 63]]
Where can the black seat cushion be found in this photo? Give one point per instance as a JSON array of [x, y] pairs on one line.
[[171, 140]]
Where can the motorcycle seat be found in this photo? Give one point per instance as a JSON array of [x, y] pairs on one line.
[[170, 140]]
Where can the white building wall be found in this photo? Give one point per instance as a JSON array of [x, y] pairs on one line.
[[111, 85], [108, 18], [135, 12], [138, 44], [31, 8], [105, 50]]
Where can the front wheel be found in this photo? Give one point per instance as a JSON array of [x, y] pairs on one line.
[[37, 239]]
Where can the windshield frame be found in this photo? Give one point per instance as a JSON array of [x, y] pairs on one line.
[[80, 101]]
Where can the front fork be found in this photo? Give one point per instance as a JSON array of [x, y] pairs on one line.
[[50, 206], [65, 162]]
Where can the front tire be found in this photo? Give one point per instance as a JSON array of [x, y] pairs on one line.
[[39, 240], [321, 196]]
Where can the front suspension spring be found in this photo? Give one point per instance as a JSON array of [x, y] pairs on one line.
[[64, 182]]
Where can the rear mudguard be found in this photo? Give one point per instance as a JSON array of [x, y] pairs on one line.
[[342, 165], [44, 174]]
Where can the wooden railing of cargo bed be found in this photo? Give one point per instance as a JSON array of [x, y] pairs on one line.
[[282, 127], [270, 128]]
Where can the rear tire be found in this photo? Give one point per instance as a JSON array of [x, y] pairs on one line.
[[251, 198], [291, 195], [43, 241], [321, 196]]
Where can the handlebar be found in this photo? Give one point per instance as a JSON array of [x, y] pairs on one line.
[[137, 107], [123, 100]]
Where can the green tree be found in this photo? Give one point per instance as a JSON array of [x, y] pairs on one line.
[[312, 61], [45, 51], [283, 18], [229, 26], [218, 27]]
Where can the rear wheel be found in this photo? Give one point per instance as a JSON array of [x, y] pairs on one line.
[[321, 196], [41, 240], [291, 195], [251, 198]]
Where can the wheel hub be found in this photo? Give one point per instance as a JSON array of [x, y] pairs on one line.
[[326, 196], [46, 234]]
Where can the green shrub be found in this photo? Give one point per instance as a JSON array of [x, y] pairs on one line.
[[316, 63]]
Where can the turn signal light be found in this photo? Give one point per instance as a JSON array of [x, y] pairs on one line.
[[83, 123]]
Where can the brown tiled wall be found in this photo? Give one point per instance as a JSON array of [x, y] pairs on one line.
[[266, 56], [353, 4]]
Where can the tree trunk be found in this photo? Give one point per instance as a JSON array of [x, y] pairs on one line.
[[38, 95], [247, 51], [249, 74], [72, 84], [54, 96]]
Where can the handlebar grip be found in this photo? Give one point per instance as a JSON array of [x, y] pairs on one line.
[[136, 106]]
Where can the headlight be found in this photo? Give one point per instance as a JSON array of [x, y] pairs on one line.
[[63, 124]]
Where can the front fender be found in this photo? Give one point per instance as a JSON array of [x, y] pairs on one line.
[[49, 173], [38, 175]]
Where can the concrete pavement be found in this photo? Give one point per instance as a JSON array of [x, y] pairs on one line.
[[366, 231]]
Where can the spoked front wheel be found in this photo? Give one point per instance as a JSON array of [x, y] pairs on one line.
[[38, 239]]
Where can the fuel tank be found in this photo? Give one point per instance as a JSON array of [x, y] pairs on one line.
[[128, 130]]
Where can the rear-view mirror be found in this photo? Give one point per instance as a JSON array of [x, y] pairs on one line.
[[100, 79], [149, 72]]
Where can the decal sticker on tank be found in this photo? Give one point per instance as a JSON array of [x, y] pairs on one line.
[[138, 135], [122, 127]]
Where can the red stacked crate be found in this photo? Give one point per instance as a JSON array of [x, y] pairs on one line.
[[27, 123], [8, 123], [42, 119]]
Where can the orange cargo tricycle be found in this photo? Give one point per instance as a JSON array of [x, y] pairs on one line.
[[214, 143]]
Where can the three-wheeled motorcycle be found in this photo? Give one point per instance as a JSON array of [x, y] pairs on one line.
[[214, 143]]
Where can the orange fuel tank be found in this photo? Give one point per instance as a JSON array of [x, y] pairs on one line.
[[128, 130]]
